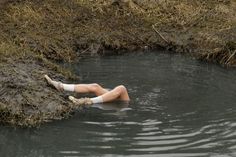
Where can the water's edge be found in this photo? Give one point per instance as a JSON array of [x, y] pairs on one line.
[[179, 107]]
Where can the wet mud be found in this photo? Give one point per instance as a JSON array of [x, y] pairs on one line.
[[26, 98]]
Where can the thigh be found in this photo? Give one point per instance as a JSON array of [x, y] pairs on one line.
[[90, 88]]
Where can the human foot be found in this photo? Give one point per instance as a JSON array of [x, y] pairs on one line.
[[57, 85], [81, 101]]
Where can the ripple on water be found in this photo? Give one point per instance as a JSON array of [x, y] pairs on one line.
[[180, 108]]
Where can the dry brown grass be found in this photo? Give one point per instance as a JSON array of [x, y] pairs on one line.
[[62, 30], [201, 26], [58, 29], [40, 29]]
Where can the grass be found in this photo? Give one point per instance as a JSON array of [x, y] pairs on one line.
[[60, 30]]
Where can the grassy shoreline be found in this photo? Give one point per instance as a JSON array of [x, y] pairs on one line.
[[34, 34]]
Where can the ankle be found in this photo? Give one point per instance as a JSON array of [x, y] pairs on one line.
[[97, 100]]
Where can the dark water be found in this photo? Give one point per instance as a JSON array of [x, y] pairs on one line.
[[180, 107]]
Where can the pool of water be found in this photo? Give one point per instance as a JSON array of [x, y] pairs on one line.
[[179, 107]]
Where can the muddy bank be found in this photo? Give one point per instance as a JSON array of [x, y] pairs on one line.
[[35, 34], [26, 99]]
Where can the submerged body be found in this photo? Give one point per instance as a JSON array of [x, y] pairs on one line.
[[102, 94]]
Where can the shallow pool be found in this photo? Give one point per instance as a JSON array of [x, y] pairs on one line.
[[179, 107]]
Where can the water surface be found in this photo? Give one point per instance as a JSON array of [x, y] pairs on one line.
[[179, 107]]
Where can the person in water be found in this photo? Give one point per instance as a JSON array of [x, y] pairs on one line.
[[102, 94]]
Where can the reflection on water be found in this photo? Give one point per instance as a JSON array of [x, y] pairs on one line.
[[179, 107], [116, 106]]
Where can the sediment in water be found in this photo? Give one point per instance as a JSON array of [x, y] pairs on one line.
[[35, 34]]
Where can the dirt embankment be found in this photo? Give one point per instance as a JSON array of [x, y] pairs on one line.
[[35, 33], [25, 98]]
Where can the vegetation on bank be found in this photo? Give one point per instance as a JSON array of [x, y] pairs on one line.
[[37, 33], [66, 29]]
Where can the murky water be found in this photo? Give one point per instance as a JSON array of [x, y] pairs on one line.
[[180, 107]]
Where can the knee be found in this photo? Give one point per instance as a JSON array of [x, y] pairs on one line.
[[121, 88], [94, 87]]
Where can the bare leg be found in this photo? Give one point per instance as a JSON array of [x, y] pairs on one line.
[[90, 88], [79, 88], [118, 93], [103, 95]]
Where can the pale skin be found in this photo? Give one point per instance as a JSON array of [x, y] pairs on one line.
[[118, 93]]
